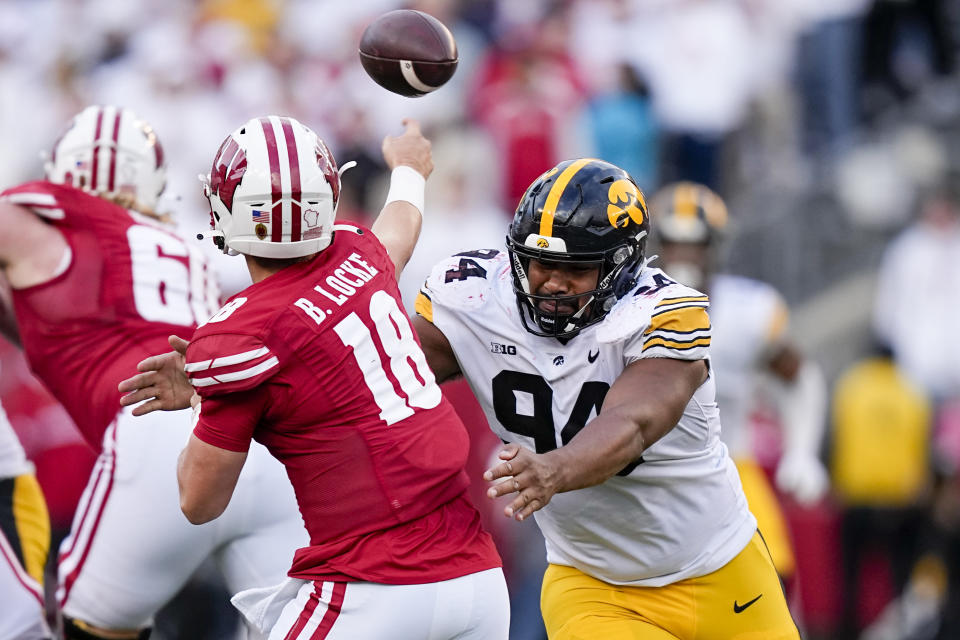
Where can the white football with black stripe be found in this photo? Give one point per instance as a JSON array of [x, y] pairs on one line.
[[408, 52]]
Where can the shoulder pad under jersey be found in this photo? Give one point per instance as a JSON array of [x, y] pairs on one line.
[[463, 281], [667, 314]]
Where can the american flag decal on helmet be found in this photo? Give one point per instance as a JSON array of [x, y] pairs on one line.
[[229, 165]]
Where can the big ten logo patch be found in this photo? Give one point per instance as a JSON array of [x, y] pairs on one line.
[[506, 349]]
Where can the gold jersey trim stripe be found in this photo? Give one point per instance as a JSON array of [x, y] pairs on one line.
[[673, 344], [682, 320], [556, 192], [424, 307], [667, 301]]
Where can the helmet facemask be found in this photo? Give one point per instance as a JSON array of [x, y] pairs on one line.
[[616, 267]]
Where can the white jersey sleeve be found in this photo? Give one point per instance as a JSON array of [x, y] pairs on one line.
[[660, 318], [463, 281], [13, 460]]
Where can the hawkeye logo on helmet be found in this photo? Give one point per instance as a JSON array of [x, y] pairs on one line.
[[626, 204], [545, 242]]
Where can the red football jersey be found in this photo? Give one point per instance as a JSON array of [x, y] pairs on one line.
[[129, 284], [319, 362]]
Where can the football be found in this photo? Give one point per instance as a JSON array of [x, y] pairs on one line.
[[408, 52]]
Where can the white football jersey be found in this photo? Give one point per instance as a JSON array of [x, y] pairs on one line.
[[749, 321], [13, 461], [679, 511]]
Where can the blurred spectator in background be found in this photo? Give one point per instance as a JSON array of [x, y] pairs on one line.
[[696, 55], [829, 61], [751, 342], [622, 128], [881, 474], [526, 92], [918, 294], [916, 310], [909, 46]]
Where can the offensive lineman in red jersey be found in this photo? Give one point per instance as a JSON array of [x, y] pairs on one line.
[[98, 283], [317, 360]]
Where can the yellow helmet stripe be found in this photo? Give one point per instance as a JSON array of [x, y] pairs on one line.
[[556, 191]]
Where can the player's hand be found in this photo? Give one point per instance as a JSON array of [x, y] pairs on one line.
[[162, 382], [410, 149], [803, 476], [531, 476]]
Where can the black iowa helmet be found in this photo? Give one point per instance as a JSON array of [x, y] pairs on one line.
[[585, 211]]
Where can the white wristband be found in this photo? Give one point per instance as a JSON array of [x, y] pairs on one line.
[[407, 184]]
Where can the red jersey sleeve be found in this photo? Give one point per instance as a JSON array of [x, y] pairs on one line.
[[228, 371], [228, 421], [41, 197], [227, 363]]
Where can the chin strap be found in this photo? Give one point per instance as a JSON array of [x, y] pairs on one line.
[[803, 403]]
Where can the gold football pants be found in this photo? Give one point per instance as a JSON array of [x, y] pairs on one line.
[[741, 601]]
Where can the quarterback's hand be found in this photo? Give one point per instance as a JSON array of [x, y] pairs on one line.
[[411, 149], [531, 476], [803, 476], [162, 382]]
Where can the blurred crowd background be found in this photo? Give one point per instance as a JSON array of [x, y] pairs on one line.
[[830, 128]]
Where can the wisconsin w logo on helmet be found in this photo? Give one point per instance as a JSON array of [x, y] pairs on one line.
[[583, 211], [228, 169]]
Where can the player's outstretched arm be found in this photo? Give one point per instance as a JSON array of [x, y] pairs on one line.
[[162, 384], [437, 348], [398, 225], [644, 403]]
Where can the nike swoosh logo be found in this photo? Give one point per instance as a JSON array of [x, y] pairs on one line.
[[737, 608], [593, 356]]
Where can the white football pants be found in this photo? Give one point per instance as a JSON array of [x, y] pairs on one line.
[[131, 549]]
